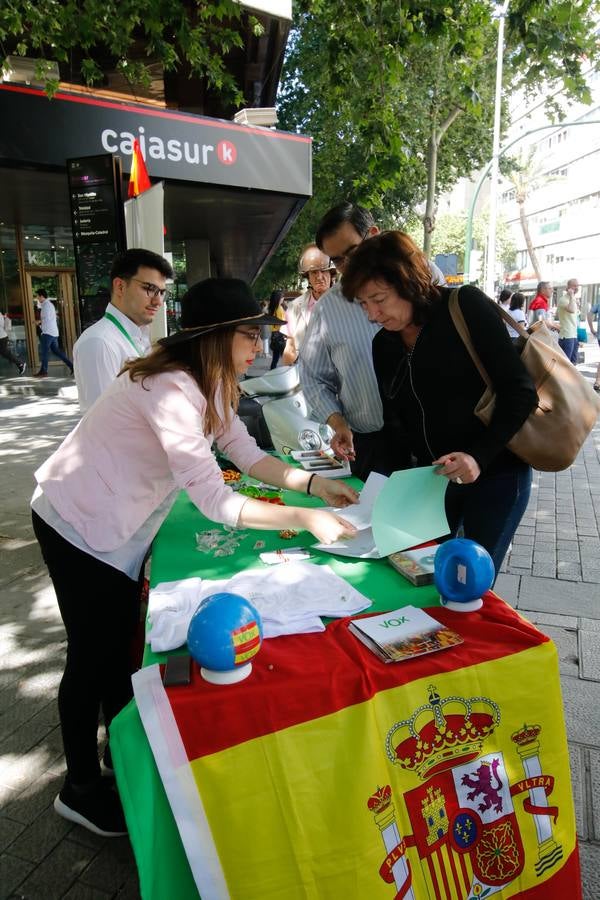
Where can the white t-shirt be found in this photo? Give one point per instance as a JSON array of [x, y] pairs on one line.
[[519, 316]]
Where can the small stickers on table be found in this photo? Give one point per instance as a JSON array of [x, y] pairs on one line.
[[220, 542], [292, 554]]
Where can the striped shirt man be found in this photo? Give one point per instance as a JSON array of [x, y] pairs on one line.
[[336, 364]]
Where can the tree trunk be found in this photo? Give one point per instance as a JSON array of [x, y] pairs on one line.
[[433, 146], [429, 217], [528, 242]]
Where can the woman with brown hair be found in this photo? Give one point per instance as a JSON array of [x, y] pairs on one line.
[[430, 385], [104, 493]]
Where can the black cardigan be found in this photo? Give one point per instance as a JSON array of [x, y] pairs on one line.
[[432, 392]]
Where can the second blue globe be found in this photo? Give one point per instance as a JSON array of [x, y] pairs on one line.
[[463, 572]]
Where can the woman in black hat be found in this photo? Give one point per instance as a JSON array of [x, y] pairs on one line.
[[102, 496]]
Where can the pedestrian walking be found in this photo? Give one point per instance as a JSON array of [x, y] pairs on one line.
[[49, 335], [5, 351], [278, 338]]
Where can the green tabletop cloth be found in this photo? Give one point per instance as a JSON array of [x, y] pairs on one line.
[[162, 865]]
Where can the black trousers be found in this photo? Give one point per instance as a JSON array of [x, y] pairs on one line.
[[7, 353], [490, 509], [100, 608]]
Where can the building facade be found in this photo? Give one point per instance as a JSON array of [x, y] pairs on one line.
[[561, 178]]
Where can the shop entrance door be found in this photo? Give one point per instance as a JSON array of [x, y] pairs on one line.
[[61, 289]]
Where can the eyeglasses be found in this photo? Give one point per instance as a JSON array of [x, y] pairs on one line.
[[340, 261], [152, 290], [253, 336]]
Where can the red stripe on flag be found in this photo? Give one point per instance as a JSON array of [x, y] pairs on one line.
[[465, 874], [247, 645], [440, 862], [433, 878], [139, 180], [302, 677], [452, 857]]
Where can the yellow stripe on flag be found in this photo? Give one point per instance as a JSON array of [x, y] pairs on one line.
[[302, 792], [242, 635]]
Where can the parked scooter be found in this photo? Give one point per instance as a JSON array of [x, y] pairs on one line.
[[280, 399]]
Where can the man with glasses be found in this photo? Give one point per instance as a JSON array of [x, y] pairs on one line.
[[318, 270], [138, 290], [336, 368], [336, 365]]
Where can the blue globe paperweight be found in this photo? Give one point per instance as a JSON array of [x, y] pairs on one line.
[[224, 634], [463, 571]]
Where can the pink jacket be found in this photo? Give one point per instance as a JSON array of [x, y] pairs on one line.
[[132, 449]]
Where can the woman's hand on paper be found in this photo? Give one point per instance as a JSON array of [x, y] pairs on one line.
[[333, 493], [458, 467], [327, 527]]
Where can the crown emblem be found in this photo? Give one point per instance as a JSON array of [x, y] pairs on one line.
[[525, 735], [380, 800], [442, 733]]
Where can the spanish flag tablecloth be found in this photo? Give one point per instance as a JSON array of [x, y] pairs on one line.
[[328, 775]]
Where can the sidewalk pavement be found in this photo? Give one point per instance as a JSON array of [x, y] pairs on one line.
[[552, 576]]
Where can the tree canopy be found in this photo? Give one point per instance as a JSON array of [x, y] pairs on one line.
[[129, 34], [399, 97]]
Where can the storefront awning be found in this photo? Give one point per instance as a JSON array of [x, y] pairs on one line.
[[238, 187]]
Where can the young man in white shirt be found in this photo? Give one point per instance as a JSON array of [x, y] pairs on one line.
[[138, 289], [49, 335]]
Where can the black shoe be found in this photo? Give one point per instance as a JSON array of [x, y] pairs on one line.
[[98, 809], [22, 367], [41, 374]]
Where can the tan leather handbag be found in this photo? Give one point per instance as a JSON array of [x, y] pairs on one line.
[[552, 435]]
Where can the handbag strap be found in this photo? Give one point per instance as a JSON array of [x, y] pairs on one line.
[[461, 326]]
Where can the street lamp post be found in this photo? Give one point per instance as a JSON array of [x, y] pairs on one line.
[[490, 268]]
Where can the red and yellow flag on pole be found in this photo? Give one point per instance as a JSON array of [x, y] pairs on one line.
[[139, 180], [329, 774]]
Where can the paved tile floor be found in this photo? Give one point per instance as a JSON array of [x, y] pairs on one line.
[[552, 575]]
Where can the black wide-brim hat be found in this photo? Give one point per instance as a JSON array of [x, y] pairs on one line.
[[217, 303]]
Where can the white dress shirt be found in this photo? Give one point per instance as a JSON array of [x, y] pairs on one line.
[[48, 318], [101, 351]]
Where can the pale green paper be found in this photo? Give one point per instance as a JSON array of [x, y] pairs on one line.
[[409, 510]]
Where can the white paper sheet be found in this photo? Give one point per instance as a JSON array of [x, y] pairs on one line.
[[359, 514]]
